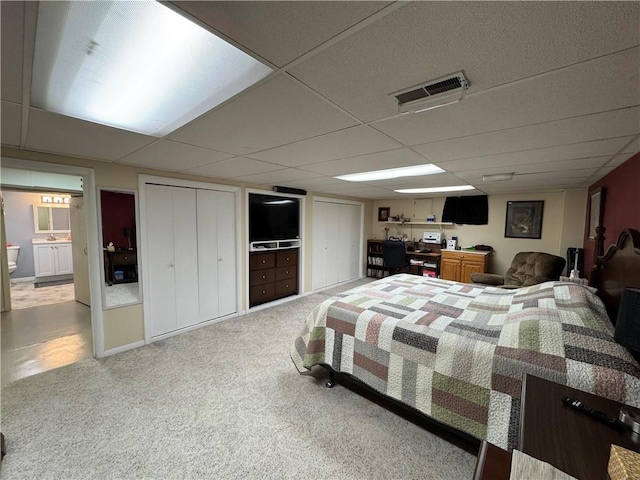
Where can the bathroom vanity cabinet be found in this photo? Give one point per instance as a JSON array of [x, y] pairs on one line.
[[52, 258]]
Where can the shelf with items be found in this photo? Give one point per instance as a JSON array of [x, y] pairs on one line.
[[422, 263], [439, 224]]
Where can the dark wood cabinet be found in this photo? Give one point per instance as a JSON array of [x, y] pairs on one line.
[[122, 267], [272, 275]]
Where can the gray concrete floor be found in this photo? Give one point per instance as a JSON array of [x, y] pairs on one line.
[[42, 338]]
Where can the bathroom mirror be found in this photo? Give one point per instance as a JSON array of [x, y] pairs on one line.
[[51, 218], [120, 256]]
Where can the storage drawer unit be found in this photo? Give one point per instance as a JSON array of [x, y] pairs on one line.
[[458, 265], [272, 275]]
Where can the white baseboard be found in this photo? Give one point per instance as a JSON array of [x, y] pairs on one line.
[[123, 348]]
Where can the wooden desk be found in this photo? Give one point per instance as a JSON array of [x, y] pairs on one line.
[[569, 440]]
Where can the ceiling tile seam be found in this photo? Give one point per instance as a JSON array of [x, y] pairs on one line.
[[536, 163], [621, 151], [30, 19], [235, 158], [219, 34], [248, 155], [124, 158], [302, 167], [529, 149], [365, 22], [545, 73], [65, 154], [284, 69], [628, 107], [11, 102]]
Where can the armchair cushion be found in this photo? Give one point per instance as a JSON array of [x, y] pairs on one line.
[[527, 268], [487, 278], [531, 268]]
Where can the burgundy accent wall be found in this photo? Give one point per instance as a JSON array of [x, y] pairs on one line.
[[118, 213], [621, 205]]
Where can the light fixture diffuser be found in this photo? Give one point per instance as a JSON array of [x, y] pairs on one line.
[[413, 171], [498, 177], [138, 66], [456, 188]]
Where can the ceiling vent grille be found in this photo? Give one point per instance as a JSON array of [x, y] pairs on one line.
[[433, 94]]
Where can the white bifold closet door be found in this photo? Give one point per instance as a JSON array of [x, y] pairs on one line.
[[191, 256], [336, 243]]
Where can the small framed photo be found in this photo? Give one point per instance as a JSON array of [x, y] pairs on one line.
[[383, 214], [524, 219], [596, 208]]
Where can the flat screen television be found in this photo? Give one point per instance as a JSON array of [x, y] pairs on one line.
[[273, 218]]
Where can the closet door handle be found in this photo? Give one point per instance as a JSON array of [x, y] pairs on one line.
[[219, 259], [170, 265]]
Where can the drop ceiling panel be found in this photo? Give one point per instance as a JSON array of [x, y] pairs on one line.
[[634, 146], [234, 167], [11, 123], [376, 161], [619, 159], [12, 17], [280, 31], [277, 112], [493, 42], [174, 156], [312, 183], [51, 132], [541, 155], [566, 93], [350, 142], [437, 180], [562, 166], [277, 177], [571, 130]]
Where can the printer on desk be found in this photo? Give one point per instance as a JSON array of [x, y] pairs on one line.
[[431, 237]]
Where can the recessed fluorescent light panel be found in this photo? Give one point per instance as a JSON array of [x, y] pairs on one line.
[[457, 188], [498, 177], [138, 66], [413, 171]]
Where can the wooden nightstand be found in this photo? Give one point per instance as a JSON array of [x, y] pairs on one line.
[[553, 433]]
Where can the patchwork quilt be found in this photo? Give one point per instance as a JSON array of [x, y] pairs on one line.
[[457, 352]]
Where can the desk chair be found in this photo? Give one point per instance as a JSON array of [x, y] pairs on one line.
[[394, 256]]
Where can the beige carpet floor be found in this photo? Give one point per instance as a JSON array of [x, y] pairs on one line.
[[220, 402]]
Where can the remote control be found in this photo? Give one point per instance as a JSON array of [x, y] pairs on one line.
[[596, 414]]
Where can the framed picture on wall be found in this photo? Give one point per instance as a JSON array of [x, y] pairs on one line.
[[383, 214], [596, 209], [524, 219]]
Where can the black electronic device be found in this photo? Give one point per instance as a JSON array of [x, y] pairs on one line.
[[273, 218], [595, 414], [291, 190]]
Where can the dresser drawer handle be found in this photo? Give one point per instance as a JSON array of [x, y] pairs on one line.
[[287, 258], [461, 256], [286, 285], [286, 271], [264, 261], [264, 291], [264, 276]]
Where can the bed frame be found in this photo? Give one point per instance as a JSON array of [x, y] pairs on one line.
[[619, 267]]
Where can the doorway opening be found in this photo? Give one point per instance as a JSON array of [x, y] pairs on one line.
[[50, 322]]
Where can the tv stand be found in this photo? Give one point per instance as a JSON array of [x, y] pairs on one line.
[[274, 245], [273, 274]]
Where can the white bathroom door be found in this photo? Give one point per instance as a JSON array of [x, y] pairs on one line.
[[161, 261], [77, 217]]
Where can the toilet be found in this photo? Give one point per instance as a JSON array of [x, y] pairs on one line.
[[12, 257]]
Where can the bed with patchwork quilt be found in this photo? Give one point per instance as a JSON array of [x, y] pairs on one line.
[[457, 352]]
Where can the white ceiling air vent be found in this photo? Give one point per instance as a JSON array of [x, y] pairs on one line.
[[433, 94]]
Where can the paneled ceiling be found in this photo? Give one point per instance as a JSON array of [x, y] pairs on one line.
[[554, 96]]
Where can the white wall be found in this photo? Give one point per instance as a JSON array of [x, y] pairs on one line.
[[562, 224]]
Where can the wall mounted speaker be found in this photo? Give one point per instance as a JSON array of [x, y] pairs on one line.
[[295, 191]]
